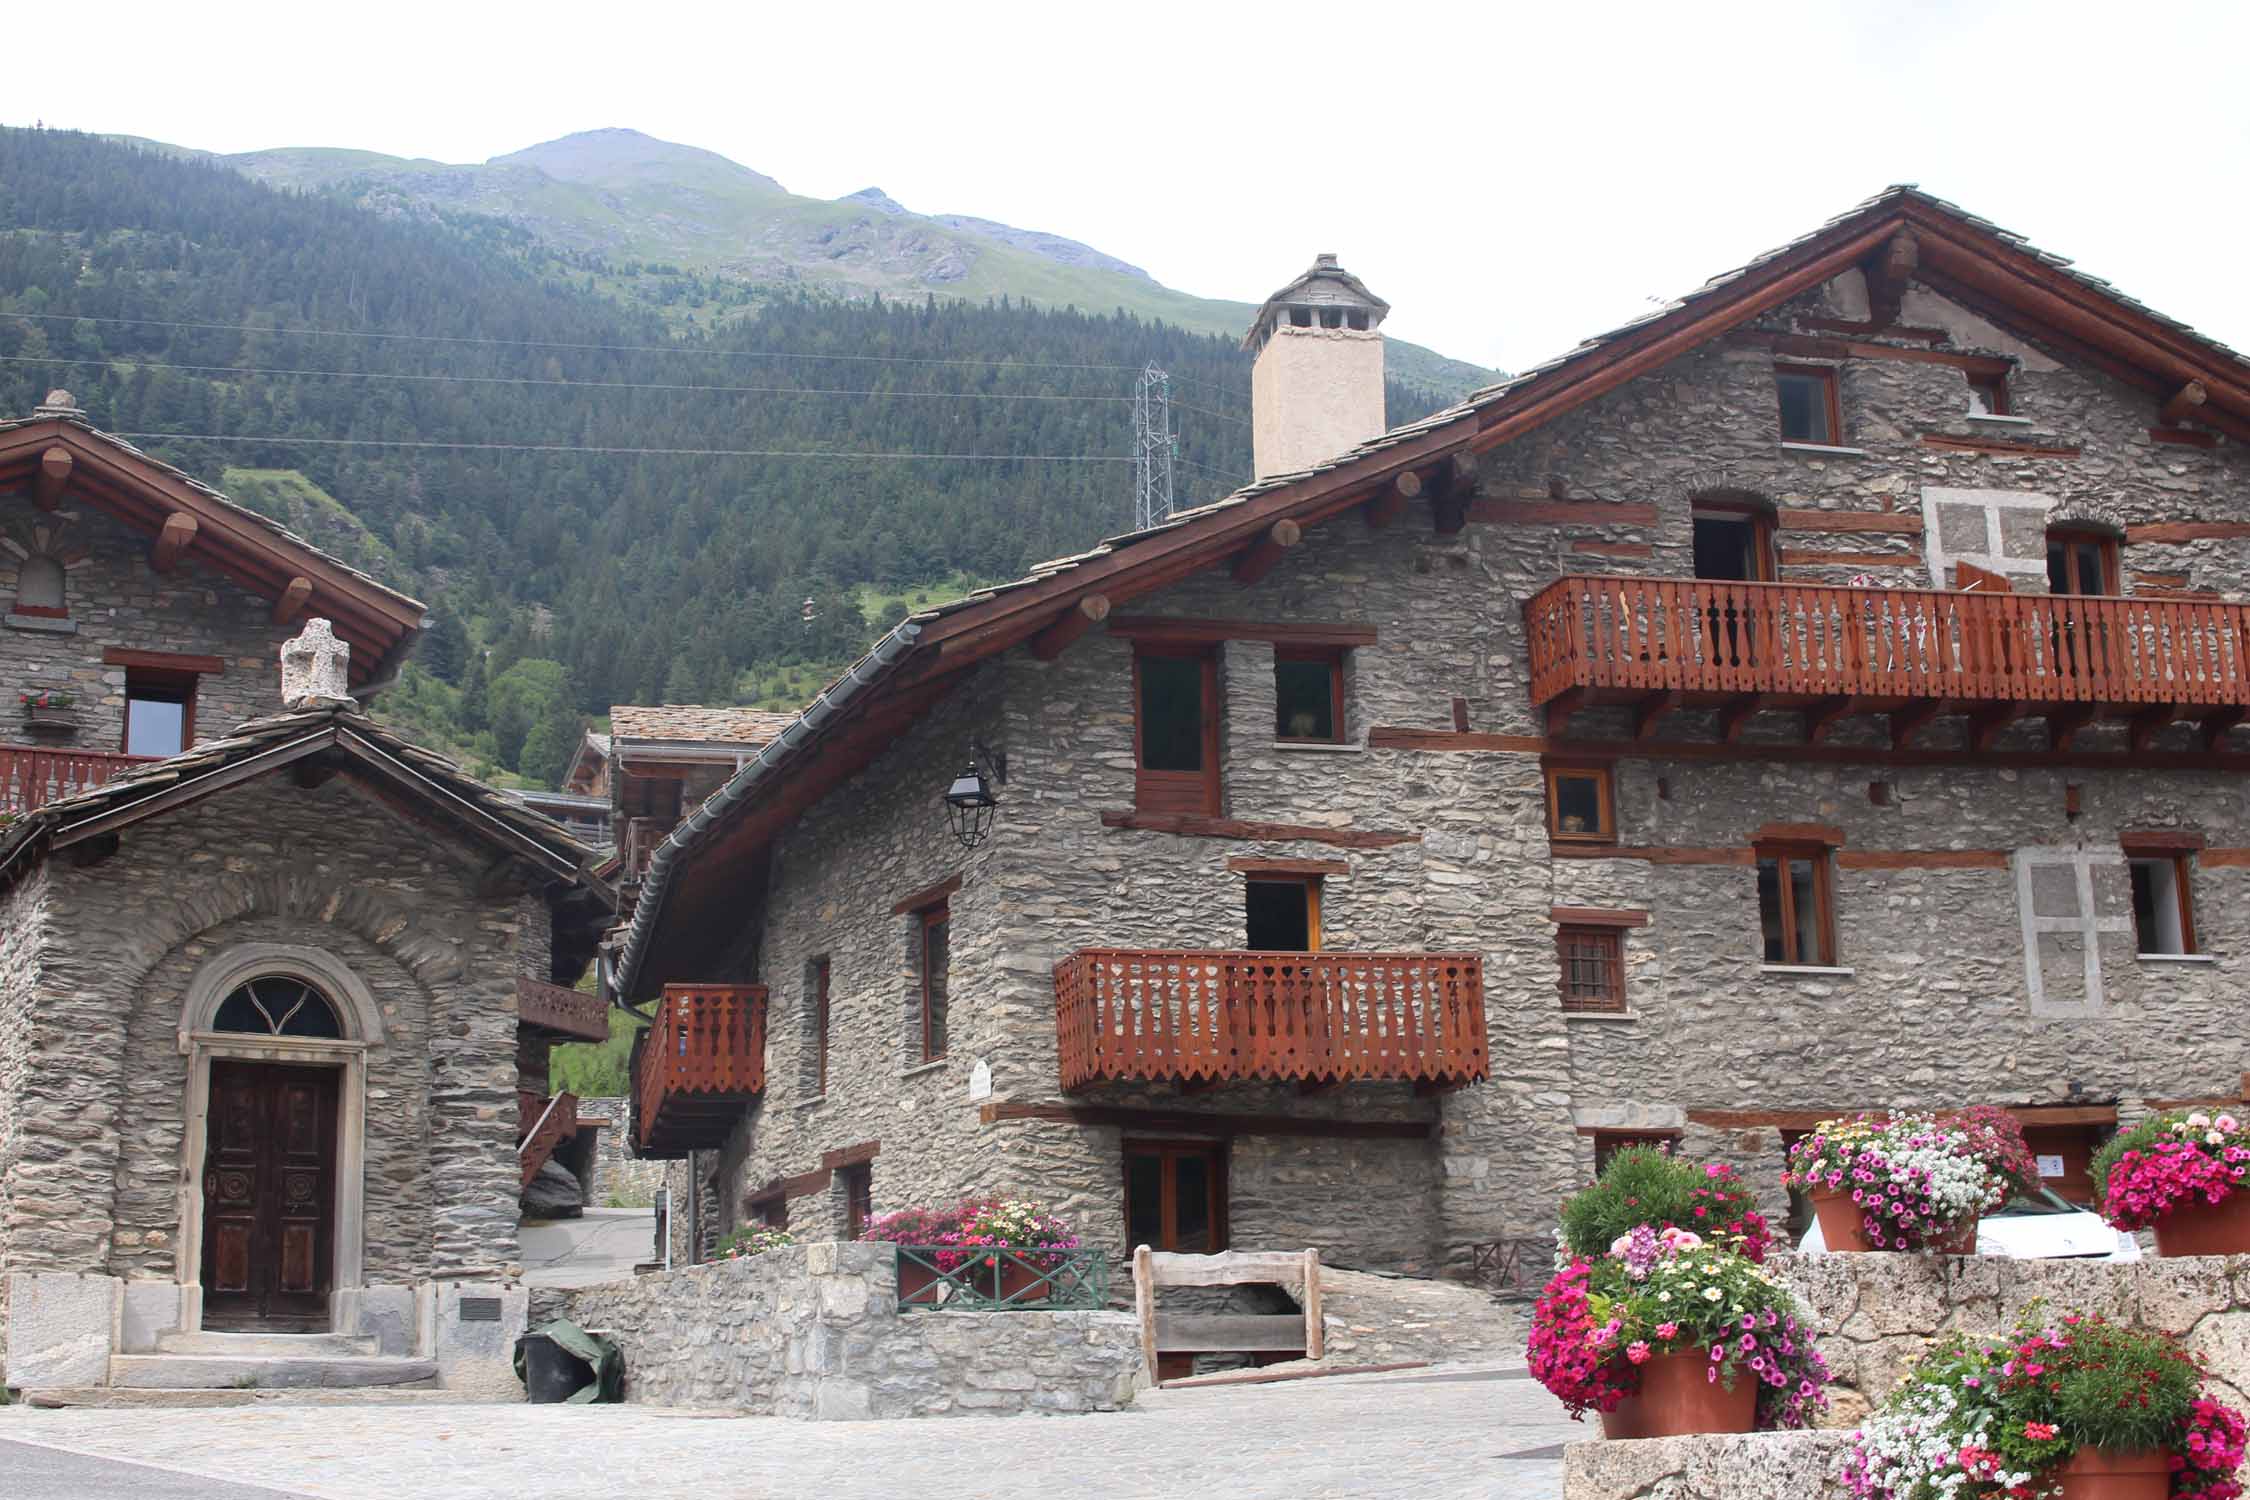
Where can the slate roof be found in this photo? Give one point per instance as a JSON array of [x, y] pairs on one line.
[[695, 722]]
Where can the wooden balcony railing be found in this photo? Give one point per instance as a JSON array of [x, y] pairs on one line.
[[571, 1013], [542, 1125], [1207, 1017], [695, 1068], [1687, 635], [642, 835], [32, 776]]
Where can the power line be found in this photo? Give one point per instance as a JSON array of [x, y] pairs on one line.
[[1208, 469], [1004, 458]]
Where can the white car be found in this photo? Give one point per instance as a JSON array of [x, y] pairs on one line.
[[2043, 1226]]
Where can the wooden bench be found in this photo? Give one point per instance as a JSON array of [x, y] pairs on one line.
[[1228, 1333]]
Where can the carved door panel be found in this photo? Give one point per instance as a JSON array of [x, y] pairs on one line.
[[268, 1196]]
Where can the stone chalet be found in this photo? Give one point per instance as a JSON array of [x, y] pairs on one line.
[[1822, 692], [276, 985], [656, 765]]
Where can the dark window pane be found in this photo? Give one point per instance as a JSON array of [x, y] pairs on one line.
[[1769, 911], [1171, 713], [1723, 549], [1279, 915], [1805, 907], [2157, 927], [1144, 1201], [2058, 568], [936, 961], [155, 726], [1192, 1194], [2092, 577], [1578, 804], [1304, 700], [1804, 408]]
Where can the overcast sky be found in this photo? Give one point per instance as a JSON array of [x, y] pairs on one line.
[[1511, 178]]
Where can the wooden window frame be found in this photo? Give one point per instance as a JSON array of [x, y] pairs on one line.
[[2073, 537], [1609, 938], [1608, 1143], [1832, 403], [771, 1209], [1333, 658], [1994, 388], [1309, 883], [154, 684], [1605, 779], [859, 1197], [1765, 559], [1821, 857], [937, 914], [1215, 1152], [1194, 793], [820, 1015], [2175, 854]]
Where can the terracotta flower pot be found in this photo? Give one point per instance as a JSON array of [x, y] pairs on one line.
[[919, 1286], [2200, 1228], [2116, 1474], [1842, 1225], [1962, 1241], [1677, 1398]]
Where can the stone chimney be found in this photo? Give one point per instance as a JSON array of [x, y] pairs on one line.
[[316, 669], [1316, 384], [59, 403]]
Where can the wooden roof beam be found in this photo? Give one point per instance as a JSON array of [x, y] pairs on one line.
[[1072, 623], [54, 475], [1258, 559], [1390, 501], [1888, 272], [2186, 402], [172, 542], [292, 601]]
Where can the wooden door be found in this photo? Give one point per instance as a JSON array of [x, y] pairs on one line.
[[269, 1193]]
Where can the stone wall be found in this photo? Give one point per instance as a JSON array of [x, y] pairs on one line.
[[621, 1179], [115, 599], [814, 1331]]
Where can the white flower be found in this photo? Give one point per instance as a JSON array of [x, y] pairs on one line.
[[2214, 1138], [2199, 1120], [1711, 1294], [1663, 1296]]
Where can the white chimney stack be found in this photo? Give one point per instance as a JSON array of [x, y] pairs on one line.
[[1316, 385]]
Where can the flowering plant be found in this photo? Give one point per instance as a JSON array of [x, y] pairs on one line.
[[46, 698], [1668, 1291], [2001, 1416], [974, 1223], [1648, 1185], [745, 1243], [2168, 1160], [1916, 1179]]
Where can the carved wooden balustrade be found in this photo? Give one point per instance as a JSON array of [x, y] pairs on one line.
[[31, 776], [1213, 1017], [568, 1013], [1616, 639], [697, 1065]]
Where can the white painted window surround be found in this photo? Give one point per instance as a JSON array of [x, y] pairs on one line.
[[1824, 450], [2064, 877], [1993, 555], [1806, 971]]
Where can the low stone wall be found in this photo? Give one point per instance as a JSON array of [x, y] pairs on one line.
[[815, 1331], [1755, 1466]]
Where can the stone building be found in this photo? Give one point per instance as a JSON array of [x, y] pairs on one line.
[[656, 765], [274, 1005], [1821, 693]]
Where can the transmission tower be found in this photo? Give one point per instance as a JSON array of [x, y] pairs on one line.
[[1152, 449]]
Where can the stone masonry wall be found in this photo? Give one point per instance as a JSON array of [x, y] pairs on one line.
[[621, 1179], [22, 940], [1932, 1000], [116, 599], [814, 1331]]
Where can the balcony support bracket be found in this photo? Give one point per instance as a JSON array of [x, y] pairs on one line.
[[1985, 727], [2215, 727], [1560, 710], [1736, 713], [1650, 709], [1909, 721], [2148, 721], [2064, 723], [1823, 714]]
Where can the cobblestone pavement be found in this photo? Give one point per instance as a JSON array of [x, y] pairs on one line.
[[1460, 1434]]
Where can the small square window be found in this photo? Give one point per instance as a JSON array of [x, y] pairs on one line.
[[1988, 395], [1308, 696], [1808, 403], [1282, 913], [2081, 561], [2163, 920], [773, 1212], [1796, 905], [1593, 968], [1580, 805]]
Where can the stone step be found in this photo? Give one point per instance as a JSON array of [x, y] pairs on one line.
[[104, 1398], [270, 1345], [263, 1372]]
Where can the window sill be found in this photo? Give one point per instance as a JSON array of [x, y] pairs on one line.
[[48, 623], [2177, 958], [1601, 1015], [1805, 971], [932, 1066], [1823, 450], [1998, 419], [815, 1102], [1320, 747]]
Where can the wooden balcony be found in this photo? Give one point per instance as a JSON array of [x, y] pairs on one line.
[[697, 1066], [33, 776], [638, 847], [1661, 643], [1199, 1017], [566, 1014]]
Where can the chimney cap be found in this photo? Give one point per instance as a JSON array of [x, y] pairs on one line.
[[1325, 284], [59, 403]]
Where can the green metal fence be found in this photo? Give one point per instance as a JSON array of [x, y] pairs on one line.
[[1000, 1279]]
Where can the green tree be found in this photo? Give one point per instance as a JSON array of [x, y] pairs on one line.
[[520, 697], [444, 647], [553, 740]]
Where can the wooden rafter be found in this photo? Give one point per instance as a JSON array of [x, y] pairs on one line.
[[1888, 273], [1985, 726], [292, 601], [2184, 403], [1257, 560], [1072, 623], [54, 476], [1390, 502], [2215, 727], [172, 541]]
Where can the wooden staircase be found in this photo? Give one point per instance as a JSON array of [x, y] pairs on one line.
[[541, 1126]]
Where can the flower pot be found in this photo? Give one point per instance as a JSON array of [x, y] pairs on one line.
[[1677, 1398], [1842, 1226], [50, 720], [1962, 1241], [2200, 1228], [919, 1286], [2116, 1474]]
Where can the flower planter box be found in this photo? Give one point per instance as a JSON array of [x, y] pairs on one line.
[[2111, 1474], [1677, 1398], [2199, 1228], [50, 720], [1844, 1229]]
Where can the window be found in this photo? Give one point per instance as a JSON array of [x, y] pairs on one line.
[[1607, 1143], [1176, 1196], [1176, 731], [1733, 543], [39, 587], [1988, 395], [2163, 919], [817, 1001], [278, 1006], [1283, 913], [771, 1211], [1593, 968], [2081, 561], [1308, 690], [159, 712], [1808, 403], [859, 1198], [1581, 807], [935, 948], [1796, 907]]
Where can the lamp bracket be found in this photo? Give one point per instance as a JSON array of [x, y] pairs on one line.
[[994, 761]]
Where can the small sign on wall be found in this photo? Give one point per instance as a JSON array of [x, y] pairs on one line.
[[2050, 1166], [980, 1081]]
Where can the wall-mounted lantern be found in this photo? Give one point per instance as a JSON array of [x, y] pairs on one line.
[[969, 803]]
